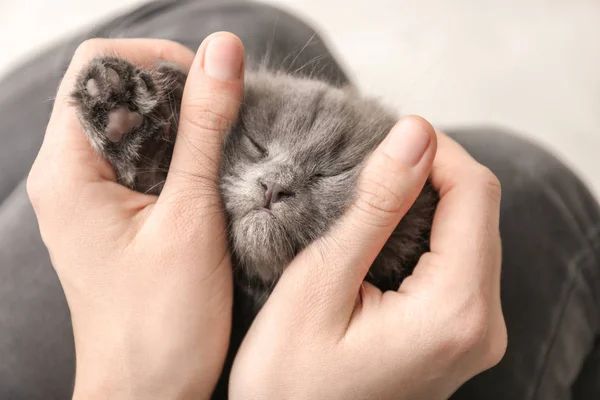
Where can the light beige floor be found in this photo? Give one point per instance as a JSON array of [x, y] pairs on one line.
[[529, 65]]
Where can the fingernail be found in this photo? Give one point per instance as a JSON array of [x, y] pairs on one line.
[[223, 58], [408, 141]]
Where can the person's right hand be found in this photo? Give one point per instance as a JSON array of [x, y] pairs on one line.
[[147, 279], [324, 334]]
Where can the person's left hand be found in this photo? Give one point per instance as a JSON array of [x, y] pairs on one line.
[[147, 279]]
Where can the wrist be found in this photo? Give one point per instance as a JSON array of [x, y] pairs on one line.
[[165, 387], [145, 366], [126, 380]]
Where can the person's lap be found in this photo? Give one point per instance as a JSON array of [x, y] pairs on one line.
[[550, 229], [550, 223]]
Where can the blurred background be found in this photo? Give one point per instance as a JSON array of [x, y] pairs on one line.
[[529, 65]]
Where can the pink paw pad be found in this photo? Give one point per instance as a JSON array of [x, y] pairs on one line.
[[120, 122]]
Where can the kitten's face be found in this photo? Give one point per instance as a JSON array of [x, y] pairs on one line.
[[290, 165]]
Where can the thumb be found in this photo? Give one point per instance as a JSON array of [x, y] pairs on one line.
[[333, 267], [210, 103]]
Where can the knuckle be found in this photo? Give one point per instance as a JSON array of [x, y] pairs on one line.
[[208, 115], [89, 47], [477, 339], [496, 348], [489, 182], [35, 187], [470, 329], [377, 200]]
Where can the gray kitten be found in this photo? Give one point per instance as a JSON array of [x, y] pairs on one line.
[[289, 165]]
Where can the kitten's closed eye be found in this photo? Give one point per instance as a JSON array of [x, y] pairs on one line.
[[259, 150], [331, 174]]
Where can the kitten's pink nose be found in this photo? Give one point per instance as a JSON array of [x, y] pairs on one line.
[[274, 193]]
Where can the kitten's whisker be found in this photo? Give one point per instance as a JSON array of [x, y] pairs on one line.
[[148, 170], [152, 160], [314, 69], [267, 56], [154, 186], [323, 66], [300, 52], [267, 292], [313, 60]]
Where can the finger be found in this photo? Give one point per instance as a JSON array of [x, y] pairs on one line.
[[333, 267], [66, 154], [210, 104], [465, 232]]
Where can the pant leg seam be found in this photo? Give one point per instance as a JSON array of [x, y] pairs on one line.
[[574, 271], [555, 197]]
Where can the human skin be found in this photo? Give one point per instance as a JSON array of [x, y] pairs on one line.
[[148, 279], [325, 333]]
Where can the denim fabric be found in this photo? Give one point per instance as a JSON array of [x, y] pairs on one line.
[[550, 227], [550, 224]]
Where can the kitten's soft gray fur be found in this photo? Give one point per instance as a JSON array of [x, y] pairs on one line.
[[289, 164]]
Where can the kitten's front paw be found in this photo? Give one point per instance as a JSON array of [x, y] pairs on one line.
[[113, 97], [119, 106]]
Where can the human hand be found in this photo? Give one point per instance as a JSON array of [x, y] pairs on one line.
[[147, 279], [324, 334]]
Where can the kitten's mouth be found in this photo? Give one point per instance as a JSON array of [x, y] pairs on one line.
[[262, 219]]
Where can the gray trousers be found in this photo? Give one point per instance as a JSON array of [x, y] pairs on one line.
[[550, 224]]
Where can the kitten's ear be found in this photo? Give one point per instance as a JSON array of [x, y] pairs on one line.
[[351, 91]]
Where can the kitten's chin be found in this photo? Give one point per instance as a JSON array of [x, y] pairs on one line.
[[261, 244]]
